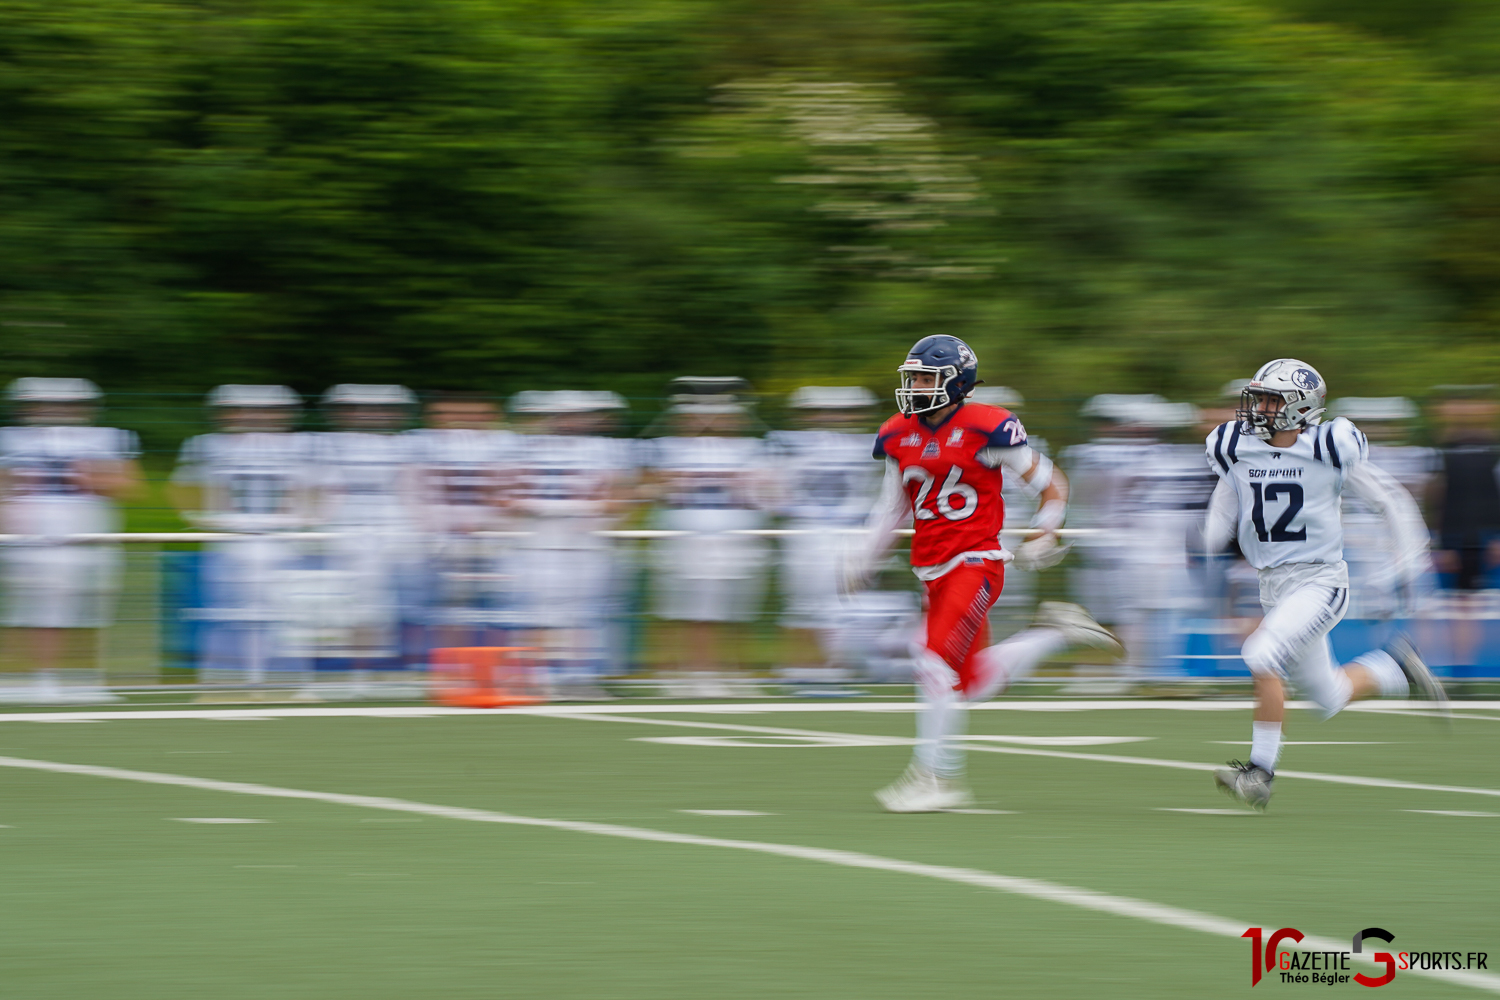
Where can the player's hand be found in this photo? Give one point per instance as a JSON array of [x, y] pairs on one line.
[[854, 574], [1041, 550]]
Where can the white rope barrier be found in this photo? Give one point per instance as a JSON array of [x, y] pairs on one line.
[[173, 537]]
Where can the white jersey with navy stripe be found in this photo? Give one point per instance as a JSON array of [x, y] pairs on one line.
[[1288, 498], [251, 481], [364, 477], [44, 463], [825, 476], [565, 475]]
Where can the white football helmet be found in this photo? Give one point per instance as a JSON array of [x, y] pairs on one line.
[[1300, 390]]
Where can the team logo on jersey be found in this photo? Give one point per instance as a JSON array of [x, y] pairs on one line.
[[1305, 378], [931, 451], [911, 440], [957, 437]]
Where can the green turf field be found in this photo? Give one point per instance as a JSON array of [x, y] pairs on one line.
[[109, 894]]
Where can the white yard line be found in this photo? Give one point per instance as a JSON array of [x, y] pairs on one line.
[[1087, 899], [716, 708], [856, 739]]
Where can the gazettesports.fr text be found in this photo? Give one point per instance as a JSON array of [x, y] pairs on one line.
[[1325, 966]]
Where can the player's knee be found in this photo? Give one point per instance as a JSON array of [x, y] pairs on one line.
[[931, 672], [1260, 655]]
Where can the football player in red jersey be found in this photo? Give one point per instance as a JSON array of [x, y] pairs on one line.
[[945, 462]]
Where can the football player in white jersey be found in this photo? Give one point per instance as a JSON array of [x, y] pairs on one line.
[[1282, 474], [714, 481], [367, 498], [251, 476], [463, 460], [571, 483], [60, 476], [827, 484]]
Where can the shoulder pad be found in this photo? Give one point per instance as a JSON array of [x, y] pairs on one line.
[[1339, 443], [893, 426]]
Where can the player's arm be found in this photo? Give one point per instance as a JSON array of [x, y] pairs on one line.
[[1221, 523], [117, 479], [891, 510], [1044, 479], [1403, 519]]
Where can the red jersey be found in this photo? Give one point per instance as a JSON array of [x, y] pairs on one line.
[[952, 477]]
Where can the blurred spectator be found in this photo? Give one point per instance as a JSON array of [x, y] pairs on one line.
[[368, 501], [571, 482], [61, 476], [1466, 498], [461, 459], [713, 479], [827, 483], [251, 476]]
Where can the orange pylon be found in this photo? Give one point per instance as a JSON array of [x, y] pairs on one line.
[[483, 676]]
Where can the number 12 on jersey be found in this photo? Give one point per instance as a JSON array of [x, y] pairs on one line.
[[1278, 532]]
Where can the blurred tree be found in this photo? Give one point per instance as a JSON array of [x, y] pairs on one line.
[[1099, 194]]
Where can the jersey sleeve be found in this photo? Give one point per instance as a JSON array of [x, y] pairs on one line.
[[128, 445], [1006, 444], [1214, 448], [1340, 444], [888, 430], [189, 470]]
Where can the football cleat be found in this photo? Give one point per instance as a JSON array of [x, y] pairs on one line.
[[1250, 783], [1424, 684], [1077, 626], [921, 791]]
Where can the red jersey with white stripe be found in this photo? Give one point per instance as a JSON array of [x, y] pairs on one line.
[[952, 477]]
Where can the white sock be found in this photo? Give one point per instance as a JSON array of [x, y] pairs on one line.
[[942, 718], [1383, 667], [1265, 744], [1017, 657]]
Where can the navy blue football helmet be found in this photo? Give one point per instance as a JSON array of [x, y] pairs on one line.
[[950, 360]]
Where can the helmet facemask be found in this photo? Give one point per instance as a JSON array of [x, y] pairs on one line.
[[911, 400], [1298, 410]]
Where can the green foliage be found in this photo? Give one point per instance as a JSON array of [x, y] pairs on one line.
[[1101, 195]]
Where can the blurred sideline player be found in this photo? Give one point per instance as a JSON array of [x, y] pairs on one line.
[[945, 463], [713, 479], [1124, 442], [1373, 590], [251, 476], [461, 460], [1013, 608], [1281, 476], [367, 499], [827, 484], [61, 476], [571, 482]]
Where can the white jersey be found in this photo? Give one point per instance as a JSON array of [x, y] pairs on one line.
[[44, 463], [711, 473], [826, 476], [252, 481], [364, 477], [461, 473], [561, 475], [1288, 498]]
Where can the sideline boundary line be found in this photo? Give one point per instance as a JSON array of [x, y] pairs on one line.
[[1087, 899], [1181, 765], [709, 708]]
